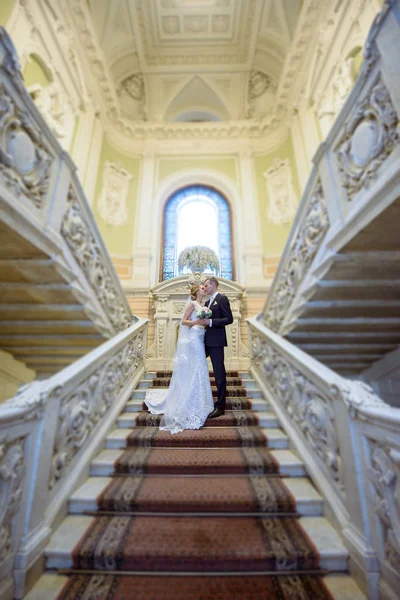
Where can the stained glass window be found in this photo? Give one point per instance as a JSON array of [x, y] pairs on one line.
[[197, 216]]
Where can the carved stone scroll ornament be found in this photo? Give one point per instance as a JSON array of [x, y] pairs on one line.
[[24, 159], [83, 408], [113, 198], [12, 471], [310, 234], [384, 474], [307, 406], [77, 233], [357, 395], [370, 137]]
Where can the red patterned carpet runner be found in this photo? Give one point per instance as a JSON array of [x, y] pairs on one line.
[[206, 504], [108, 587], [197, 461]]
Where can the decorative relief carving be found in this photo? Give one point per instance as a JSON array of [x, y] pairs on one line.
[[24, 159], [160, 338], [260, 95], [282, 201], [87, 404], [370, 137], [220, 24], [51, 106], [342, 84], [195, 24], [384, 474], [310, 234], [307, 406], [171, 25], [113, 198], [132, 93], [134, 87], [79, 237], [357, 395], [29, 400], [12, 472], [179, 307], [259, 83]]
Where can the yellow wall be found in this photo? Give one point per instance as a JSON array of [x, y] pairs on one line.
[[34, 73], [13, 373], [119, 240], [273, 236], [6, 7], [168, 166]]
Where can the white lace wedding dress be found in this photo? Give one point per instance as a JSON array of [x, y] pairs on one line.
[[188, 400]]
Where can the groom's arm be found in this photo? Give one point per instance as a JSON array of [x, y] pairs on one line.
[[227, 317]]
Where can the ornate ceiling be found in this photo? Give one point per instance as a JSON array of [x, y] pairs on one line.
[[191, 60]]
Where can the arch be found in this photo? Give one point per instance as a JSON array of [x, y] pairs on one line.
[[37, 71], [220, 218], [212, 178]]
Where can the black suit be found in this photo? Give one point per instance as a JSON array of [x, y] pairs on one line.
[[215, 340]]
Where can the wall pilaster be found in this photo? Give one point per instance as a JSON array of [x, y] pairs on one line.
[[252, 254]]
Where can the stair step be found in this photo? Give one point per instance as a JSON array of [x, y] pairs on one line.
[[307, 500], [265, 419], [333, 554], [118, 438], [248, 384], [49, 586], [258, 404], [289, 464], [140, 394]]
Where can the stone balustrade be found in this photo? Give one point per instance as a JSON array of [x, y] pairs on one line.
[[349, 440], [49, 432]]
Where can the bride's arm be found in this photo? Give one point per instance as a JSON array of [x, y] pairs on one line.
[[188, 312]]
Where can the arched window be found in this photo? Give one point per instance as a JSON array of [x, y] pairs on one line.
[[197, 215]]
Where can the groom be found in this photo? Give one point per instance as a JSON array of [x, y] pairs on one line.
[[215, 339]]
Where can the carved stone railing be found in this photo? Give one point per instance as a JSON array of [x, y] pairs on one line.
[[355, 176], [349, 440], [41, 198], [48, 434]]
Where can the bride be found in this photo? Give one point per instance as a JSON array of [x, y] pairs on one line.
[[188, 401]]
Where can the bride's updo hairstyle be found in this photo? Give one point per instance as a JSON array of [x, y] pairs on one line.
[[193, 291]]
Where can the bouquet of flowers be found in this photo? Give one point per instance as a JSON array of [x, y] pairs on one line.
[[203, 313]]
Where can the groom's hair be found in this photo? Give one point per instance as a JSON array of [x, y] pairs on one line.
[[213, 280]]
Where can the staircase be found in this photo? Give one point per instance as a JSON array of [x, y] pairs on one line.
[[60, 296], [351, 317], [226, 511]]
